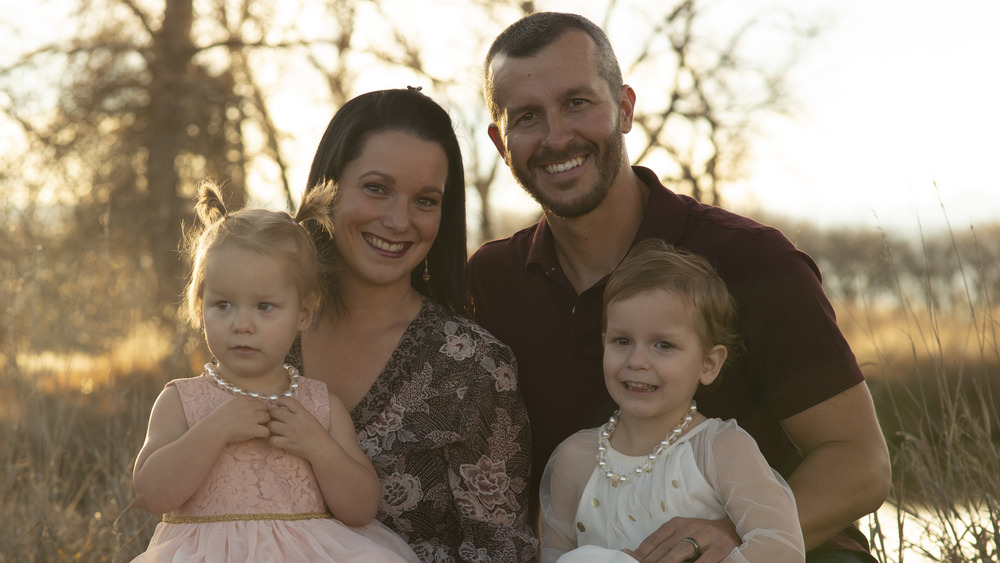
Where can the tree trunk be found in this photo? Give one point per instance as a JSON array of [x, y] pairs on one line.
[[168, 91]]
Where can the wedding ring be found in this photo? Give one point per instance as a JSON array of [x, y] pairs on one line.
[[697, 548]]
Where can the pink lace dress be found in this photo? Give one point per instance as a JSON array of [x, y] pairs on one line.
[[259, 503]]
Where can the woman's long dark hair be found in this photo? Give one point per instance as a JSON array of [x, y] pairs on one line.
[[408, 111]]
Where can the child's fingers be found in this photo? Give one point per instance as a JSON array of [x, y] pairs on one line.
[[290, 404], [280, 414], [262, 417], [276, 426], [262, 431]]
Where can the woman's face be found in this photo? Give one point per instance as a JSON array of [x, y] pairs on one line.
[[389, 208]]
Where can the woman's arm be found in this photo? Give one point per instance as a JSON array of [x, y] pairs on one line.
[[344, 473], [491, 464], [175, 459]]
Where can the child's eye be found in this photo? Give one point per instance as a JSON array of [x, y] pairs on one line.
[[661, 345], [621, 341], [264, 306], [224, 305]]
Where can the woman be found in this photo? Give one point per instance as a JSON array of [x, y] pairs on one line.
[[433, 396]]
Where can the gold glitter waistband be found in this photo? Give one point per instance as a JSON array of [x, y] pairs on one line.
[[241, 517]]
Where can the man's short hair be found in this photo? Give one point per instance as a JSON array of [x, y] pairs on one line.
[[531, 34]]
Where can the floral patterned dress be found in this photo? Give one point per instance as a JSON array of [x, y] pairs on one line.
[[446, 429]]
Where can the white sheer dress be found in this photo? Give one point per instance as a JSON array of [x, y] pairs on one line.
[[715, 470]]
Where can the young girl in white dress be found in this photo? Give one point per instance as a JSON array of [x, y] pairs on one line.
[[669, 326], [249, 461]]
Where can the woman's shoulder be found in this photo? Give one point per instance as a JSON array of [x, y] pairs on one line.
[[452, 324], [462, 348]]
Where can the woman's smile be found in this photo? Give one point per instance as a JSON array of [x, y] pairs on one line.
[[386, 245]]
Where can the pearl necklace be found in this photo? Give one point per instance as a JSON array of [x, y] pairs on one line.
[[604, 440], [293, 384]]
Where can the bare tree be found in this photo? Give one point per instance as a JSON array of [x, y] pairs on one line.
[[152, 101], [139, 120], [154, 97], [713, 93]]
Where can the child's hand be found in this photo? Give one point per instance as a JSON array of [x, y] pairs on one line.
[[240, 419], [294, 429]]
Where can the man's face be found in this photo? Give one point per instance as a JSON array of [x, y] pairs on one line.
[[560, 129]]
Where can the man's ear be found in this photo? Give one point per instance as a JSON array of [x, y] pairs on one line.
[[626, 105], [497, 139], [712, 364]]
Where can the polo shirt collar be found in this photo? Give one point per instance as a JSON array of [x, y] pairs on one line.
[[542, 250], [666, 212]]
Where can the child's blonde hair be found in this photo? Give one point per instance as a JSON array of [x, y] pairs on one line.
[[272, 233], [653, 264]]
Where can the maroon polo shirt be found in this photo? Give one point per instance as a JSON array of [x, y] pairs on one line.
[[796, 355]]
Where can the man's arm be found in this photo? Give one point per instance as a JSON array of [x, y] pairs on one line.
[[845, 473]]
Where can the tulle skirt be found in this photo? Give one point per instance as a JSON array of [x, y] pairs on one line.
[[594, 554], [276, 540]]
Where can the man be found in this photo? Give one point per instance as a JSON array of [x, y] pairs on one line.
[[559, 113]]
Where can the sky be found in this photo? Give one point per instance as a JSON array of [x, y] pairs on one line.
[[897, 121], [895, 118]]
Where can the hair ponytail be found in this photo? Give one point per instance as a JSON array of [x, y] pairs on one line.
[[209, 207], [317, 205]]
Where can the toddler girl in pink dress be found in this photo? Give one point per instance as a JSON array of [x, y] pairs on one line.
[[250, 461]]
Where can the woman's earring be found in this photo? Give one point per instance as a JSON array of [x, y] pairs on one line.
[[427, 273]]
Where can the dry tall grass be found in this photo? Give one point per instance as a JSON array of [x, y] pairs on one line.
[[71, 426], [935, 377], [71, 430]]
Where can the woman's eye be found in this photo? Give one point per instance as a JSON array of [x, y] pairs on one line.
[[375, 188], [427, 202]]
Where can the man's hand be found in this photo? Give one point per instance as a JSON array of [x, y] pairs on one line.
[[680, 540]]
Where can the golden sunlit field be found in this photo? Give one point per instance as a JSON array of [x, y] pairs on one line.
[[73, 421]]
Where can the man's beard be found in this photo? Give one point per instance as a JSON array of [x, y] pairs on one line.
[[608, 163]]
